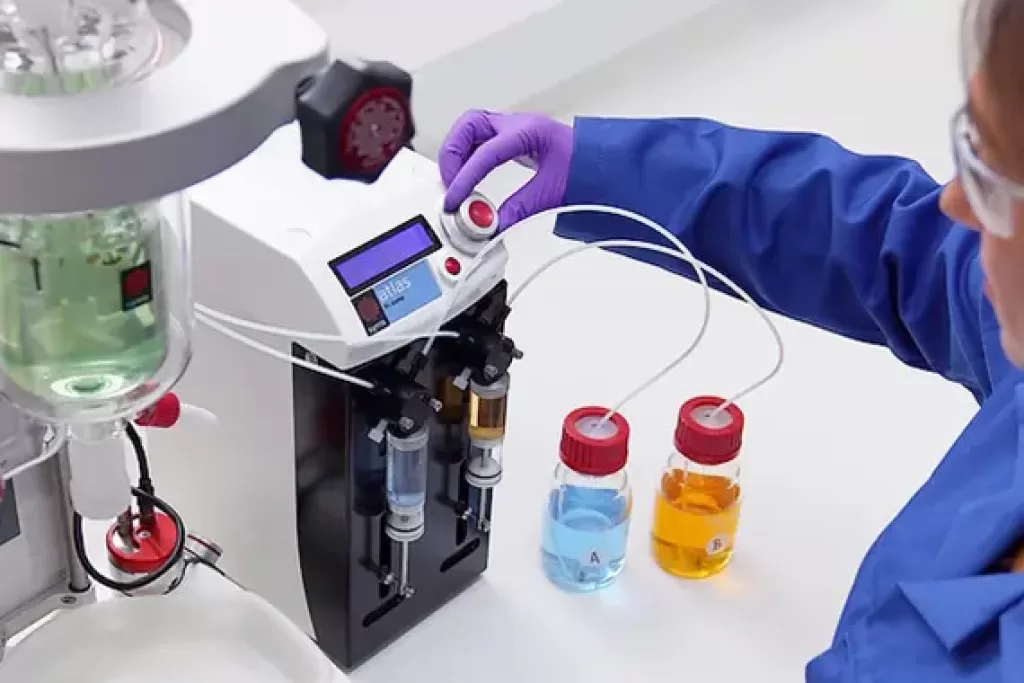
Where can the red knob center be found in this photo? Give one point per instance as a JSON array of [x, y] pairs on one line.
[[481, 214]]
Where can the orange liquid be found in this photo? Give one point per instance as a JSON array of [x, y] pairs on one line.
[[695, 520], [487, 417], [453, 401]]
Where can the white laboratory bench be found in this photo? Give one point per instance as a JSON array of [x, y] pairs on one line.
[[834, 445]]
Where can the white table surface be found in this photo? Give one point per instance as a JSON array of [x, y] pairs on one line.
[[834, 446]]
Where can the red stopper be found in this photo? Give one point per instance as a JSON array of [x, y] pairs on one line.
[[706, 441], [162, 414], [153, 543], [590, 452]]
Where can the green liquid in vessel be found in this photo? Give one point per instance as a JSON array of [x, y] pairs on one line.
[[83, 317]]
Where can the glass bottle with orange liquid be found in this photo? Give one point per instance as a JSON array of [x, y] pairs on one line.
[[698, 503]]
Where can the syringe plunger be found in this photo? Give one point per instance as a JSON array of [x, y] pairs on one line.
[[485, 464], [405, 527]]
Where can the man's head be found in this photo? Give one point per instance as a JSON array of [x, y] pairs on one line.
[[988, 136]]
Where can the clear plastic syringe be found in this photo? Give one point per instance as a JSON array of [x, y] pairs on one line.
[[488, 406], [407, 458]]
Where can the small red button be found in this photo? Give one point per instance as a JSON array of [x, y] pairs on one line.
[[481, 214], [452, 265]]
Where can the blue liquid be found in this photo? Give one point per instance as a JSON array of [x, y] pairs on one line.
[[407, 479], [585, 531]]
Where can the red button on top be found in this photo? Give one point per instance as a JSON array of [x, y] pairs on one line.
[[452, 265], [481, 214]]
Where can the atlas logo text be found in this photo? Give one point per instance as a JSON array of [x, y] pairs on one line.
[[393, 290]]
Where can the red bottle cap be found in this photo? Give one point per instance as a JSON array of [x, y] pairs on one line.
[[708, 438], [594, 450], [153, 546], [164, 413]]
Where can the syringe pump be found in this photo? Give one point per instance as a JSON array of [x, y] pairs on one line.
[[357, 501]]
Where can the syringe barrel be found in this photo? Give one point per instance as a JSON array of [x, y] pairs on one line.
[[488, 405], [407, 457]]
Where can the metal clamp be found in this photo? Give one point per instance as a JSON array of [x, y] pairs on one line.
[[203, 550]]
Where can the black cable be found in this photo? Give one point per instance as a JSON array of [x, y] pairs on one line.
[[140, 451], [146, 508], [78, 536]]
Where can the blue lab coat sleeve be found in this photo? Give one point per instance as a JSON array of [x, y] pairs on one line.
[[849, 243]]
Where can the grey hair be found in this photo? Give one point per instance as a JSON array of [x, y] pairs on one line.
[[976, 30], [993, 42]]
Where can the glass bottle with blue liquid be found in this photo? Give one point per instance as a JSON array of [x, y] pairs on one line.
[[586, 524]]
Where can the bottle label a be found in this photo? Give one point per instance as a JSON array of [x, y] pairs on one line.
[[588, 566], [587, 556]]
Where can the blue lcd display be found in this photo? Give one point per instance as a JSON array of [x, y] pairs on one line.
[[386, 255]]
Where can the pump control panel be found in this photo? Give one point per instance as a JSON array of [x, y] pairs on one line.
[[405, 270], [388, 278]]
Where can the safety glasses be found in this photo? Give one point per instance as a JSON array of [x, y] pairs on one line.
[[992, 197]]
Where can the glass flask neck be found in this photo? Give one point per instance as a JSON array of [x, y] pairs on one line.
[[91, 432]]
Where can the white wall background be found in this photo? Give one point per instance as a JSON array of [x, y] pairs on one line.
[[491, 53]]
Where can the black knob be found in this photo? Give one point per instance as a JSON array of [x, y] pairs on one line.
[[354, 121]]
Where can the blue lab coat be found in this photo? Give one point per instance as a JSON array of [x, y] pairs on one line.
[[856, 245]]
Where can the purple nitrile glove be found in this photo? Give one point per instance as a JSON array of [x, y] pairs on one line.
[[480, 141]]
